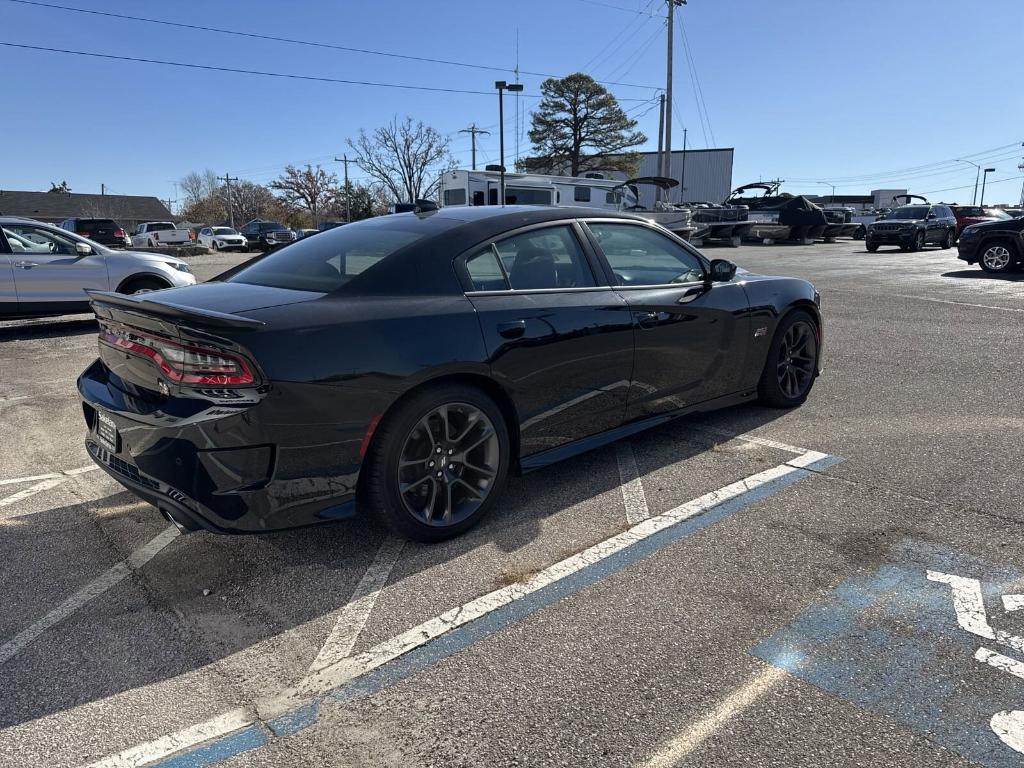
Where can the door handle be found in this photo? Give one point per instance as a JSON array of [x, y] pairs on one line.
[[647, 319], [25, 264], [690, 294], [513, 329]]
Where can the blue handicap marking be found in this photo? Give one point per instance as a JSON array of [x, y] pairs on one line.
[[935, 640]]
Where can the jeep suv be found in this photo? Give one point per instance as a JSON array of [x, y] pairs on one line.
[[912, 227], [266, 235], [998, 246]]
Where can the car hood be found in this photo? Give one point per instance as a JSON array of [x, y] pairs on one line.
[[233, 298]]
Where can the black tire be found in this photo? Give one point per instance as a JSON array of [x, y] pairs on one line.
[[949, 239], [381, 487], [150, 244], [872, 247], [772, 388], [142, 285], [997, 257], [860, 233], [215, 246], [918, 243]]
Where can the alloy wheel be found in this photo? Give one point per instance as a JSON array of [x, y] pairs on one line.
[[798, 354], [996, 258], [448, 464]]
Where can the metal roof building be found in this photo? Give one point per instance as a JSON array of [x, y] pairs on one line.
[[53, 207]]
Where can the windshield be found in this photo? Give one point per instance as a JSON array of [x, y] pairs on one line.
[[224, 231], [996, 213], [329, 261], [909, 212]]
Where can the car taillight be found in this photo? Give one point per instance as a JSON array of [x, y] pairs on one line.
[[118, 232], [83, 232], [183, 363], [191, 235]]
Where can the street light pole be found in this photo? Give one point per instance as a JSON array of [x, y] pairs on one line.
[[974, 197], [832, 199], [502, 86], [984, 178]]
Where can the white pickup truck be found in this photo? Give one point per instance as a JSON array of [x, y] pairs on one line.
[[153, 234]]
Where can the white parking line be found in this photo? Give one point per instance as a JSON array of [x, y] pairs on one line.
[[349, 668], [356, 613], [90, 591], [756, 440], [959, 303], [49, 481], [703, 729], [632, 487], [174, 742]]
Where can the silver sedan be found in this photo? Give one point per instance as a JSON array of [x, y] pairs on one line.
[[44, 270]]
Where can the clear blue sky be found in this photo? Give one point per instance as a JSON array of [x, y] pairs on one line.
[[803, 89]]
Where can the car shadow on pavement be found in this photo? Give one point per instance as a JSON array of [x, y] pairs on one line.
[[206, 598], [980, 274], [20, 331]]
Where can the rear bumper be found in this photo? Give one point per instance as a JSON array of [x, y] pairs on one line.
[[208, 466]]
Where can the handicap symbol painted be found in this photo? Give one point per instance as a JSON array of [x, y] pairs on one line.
[[913, 641]]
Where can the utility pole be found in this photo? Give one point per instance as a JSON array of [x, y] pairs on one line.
[[682, 181], [472, 130], [661, 142], [227, 178], [344, 159], [103, 189], [668, 86], [169, 204]]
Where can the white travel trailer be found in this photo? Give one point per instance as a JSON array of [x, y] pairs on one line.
[[462, 187]]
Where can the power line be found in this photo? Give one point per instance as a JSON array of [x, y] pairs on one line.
[[612, 49], [285, 75], [295, 41], [698, 91], [898, 176], [609, 5]]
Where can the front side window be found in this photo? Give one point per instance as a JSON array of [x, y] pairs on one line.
[[639, 255], [28, 239]]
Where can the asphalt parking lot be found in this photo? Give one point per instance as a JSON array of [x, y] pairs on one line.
[[836, 585]]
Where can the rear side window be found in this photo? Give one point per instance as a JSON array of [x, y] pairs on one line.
[[159, 226], [334, 258], [548, 258]]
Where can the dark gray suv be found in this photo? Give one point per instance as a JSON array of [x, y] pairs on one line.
[[912, 227]]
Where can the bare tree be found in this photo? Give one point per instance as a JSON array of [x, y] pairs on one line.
[[60, 188], [252, 201], [197, 186], [306, 188], [406, 158]]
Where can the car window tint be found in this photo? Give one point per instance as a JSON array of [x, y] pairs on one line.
[[331, 260], [638, 255], [545, 258], [485, 271]]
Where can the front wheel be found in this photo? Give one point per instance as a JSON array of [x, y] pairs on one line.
[[438, 463], [872, 247], [996, 259], [918, 242], [216, 245], [792, 363], [949, 239]]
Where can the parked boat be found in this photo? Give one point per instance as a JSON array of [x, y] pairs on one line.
[[675, 218], [805, 221]]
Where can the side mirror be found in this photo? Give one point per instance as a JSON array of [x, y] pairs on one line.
[[722, 271], [83, 249]]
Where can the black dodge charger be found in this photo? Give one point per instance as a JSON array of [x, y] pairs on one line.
[[407, 364]]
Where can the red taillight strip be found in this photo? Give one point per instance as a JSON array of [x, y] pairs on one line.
[[182, 376]]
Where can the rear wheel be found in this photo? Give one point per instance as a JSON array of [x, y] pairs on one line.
[[438, 463], [997, 258], [142, 285], [792, 363]]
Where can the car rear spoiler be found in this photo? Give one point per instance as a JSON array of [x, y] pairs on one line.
[[143, 303]]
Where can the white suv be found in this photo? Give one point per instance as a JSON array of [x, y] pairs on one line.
[[44, 270]]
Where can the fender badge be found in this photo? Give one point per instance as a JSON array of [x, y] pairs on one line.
[[762, 331]]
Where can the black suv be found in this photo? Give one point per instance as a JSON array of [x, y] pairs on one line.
[[998, 246], [912, 227], [103, 231], [265, 235]]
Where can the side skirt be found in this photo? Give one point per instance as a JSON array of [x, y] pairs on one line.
[[554, 455]]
